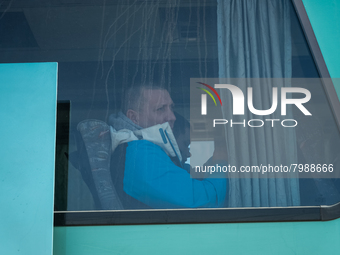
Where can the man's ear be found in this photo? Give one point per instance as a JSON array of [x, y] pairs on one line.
[[133, 115]]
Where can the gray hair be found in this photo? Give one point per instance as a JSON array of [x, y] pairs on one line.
[[133, 96]]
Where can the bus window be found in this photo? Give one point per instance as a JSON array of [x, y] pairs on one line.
[[126, 66]]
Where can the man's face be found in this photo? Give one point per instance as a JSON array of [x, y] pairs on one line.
[[156, 108]]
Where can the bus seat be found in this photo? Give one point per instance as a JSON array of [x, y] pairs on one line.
[[97, 141]]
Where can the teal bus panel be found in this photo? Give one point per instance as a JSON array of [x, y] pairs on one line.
[[324, 17], [28, 128], [229, 238]]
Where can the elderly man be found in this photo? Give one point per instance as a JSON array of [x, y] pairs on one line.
[[143, 168]]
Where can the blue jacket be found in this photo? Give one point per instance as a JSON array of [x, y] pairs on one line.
[[152, 178]]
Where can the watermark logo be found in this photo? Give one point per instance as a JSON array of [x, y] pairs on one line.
[[277, 98], [204, 97], [238, 99]]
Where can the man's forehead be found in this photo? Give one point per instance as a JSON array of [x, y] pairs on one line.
[[156, 96]]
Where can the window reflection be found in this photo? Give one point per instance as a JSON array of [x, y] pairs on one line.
[[103, 50]]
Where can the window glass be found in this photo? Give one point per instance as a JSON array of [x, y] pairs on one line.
[[105, 49]]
